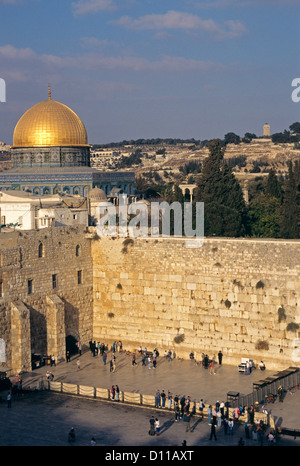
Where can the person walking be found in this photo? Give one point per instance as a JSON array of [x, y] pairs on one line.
[[213, 431], [9, 400], [133, 362], [149, 362], [187, 419], [211, 368], [78, 364]]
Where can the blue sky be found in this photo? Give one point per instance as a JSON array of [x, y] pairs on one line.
[[153, 68]]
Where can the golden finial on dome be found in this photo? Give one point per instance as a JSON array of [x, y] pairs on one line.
[[49, 91]]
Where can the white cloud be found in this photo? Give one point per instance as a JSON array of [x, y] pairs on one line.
[[94, 61], [181, 21], [83, 7], [241, 3]]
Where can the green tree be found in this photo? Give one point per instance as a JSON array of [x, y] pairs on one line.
[[295, 127], [290, 218], [273, 187], [231, 138], [222, 195], [264, 217]]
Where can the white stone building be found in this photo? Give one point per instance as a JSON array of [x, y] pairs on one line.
[[26, 211]]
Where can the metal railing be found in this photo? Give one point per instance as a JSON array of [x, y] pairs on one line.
[[267, 390]]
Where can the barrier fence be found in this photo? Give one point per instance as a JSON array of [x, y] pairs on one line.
[[267, 390], [133, 398]]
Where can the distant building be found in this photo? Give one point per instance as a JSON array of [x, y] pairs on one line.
[[266, 130]]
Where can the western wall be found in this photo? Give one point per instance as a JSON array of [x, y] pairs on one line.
[[241, 296]]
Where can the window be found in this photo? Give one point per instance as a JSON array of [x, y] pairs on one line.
[[1, 289], [79, 277], [29, 286], [77, 250], [54, 281]]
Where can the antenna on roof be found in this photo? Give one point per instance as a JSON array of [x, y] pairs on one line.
[[49, 91]]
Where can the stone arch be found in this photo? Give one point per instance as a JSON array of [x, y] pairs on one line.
[[71, 344]]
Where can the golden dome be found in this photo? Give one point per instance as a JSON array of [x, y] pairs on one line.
[[49, 123]]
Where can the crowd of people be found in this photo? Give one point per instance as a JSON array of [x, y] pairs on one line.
[[218, 416]]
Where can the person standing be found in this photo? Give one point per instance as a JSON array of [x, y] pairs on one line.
[[9, 400], [78, 344], [157, 426], [211, 368], [220, 357], [68, 356], [163, 399], [182, 404], [117, 393], [149, 362], [112, 392], [222, 408], [104, 358], [177, 412], [78, 364], [209, 415], [201, 407], [152, 426], [170, 400], [157, 399]]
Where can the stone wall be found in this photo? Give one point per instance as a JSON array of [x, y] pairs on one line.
[[236, 295], [41, 320]]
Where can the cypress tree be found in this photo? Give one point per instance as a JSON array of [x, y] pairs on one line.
[[290, 218], [222, 195], [273, 187]]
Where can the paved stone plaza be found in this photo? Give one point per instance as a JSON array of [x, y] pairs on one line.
[[44, 418]]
